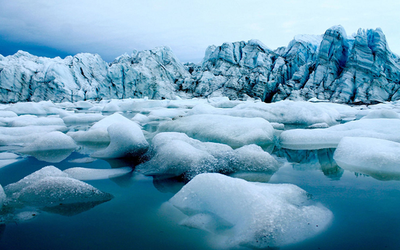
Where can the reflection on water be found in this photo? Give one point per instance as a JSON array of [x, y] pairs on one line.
[[72, 209], [321, 159]]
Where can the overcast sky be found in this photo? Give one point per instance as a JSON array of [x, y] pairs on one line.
[[111, 28]]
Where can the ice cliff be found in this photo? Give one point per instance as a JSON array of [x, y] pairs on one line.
[[335, 67]]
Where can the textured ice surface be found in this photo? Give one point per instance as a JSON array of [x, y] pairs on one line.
[[376, 157], [98, 132], [32, 120], [82, 118], [174, 154], [47, 171], [387, 129], [51, 141], [233, 131], [50, 186], [384, 113], [96, 174], [126, 140], [257, 215], [22, 135], [54, 191]]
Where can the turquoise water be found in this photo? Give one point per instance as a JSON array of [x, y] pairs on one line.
[[366, 211]]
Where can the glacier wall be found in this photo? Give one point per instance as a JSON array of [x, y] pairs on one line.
[[334, 67]]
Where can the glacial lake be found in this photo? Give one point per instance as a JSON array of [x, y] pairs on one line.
[[365, 208], [366, 212]]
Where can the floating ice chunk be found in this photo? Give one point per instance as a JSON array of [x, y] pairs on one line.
[[50, 186], [96, 174], [384, 113], [98, 132], [233, 131], [126, 140], [375, 157], [32, 178], [54, 191], [23, 108], [21, 135], [83, 104], [83, 160], [287, 112], [51, 141], [387, 129], [175, 154], [166, 113], [32, 120], [140, 119], [5, 113], [51, 147], [256, 215], [82, 118], [2, 197], [252, 158]]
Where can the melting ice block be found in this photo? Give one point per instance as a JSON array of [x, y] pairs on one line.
[[375, 157], [98, 132], [311, 139], [233, 131], [257, 215], [84, 174], [54, 191], [175, 154], [51, 141], [50, 187], [126, 139]]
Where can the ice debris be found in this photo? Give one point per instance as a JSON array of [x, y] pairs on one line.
[[255, 215]]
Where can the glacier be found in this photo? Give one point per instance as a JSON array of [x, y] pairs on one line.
[[334, 67]]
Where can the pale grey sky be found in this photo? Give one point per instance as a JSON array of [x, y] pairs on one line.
[[111, 28]]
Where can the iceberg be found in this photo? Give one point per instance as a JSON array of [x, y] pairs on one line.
[[375, 157], [245, 214]]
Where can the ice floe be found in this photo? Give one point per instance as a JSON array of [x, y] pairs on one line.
[[375, 157], [175, 154], [310, 139], [49, 187], [233, 131], [256, 215]]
